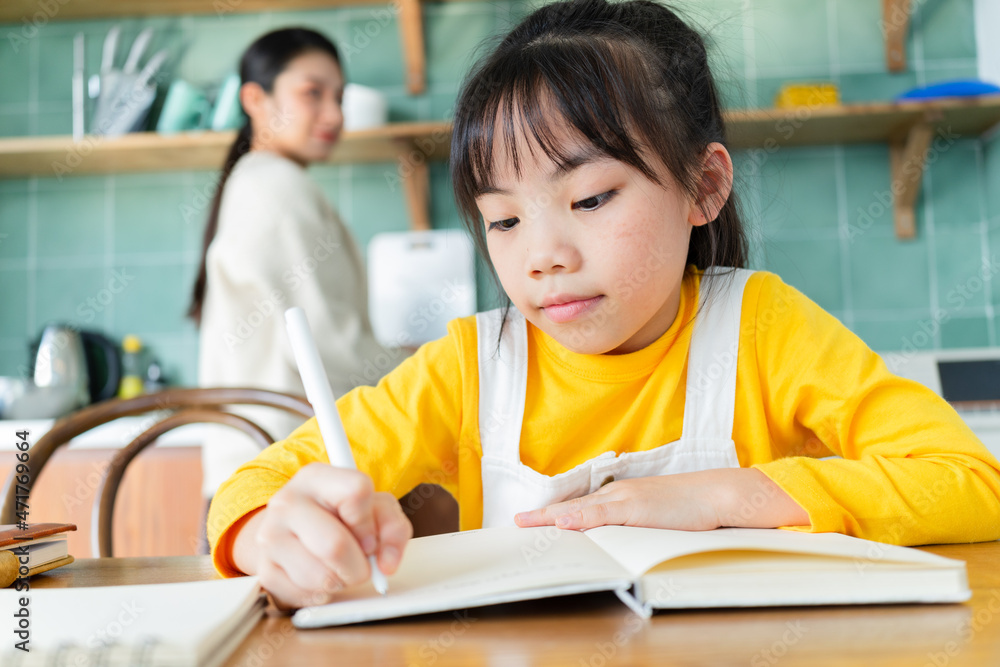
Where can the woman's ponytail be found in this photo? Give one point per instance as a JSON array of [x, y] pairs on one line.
[[239, 148], [261, 63]]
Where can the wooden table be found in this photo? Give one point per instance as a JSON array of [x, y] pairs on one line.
[[597, 630]]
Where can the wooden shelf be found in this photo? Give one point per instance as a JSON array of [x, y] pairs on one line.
[[858, 123], [908, 128], [149, 151], [11, 11], [411, 144]]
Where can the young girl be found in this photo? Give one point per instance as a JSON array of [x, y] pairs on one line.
[[643, 377]]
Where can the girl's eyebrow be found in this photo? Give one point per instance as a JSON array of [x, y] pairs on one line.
[[562, 170]]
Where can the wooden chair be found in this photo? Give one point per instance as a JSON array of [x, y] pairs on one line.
[[431, 509]]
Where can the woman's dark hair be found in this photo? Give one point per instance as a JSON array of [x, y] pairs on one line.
[[261, 63], [630, 78]]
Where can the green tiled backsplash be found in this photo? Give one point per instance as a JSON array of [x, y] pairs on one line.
[[119, 252]]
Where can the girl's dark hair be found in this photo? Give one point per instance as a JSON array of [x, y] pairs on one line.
[[261, 63], [628, 77]]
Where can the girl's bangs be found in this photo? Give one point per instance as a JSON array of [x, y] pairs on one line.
[[536, 96]]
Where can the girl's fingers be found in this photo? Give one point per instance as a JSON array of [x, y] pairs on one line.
[[394, 530], [605, 513], [346, 493], [286, 594], [329, 541], [305, 570], [546, 516]]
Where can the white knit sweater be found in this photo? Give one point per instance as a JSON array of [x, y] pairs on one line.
[[279, 244]]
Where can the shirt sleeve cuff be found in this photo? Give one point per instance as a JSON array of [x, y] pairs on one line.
[[825, 515], [222, 551]]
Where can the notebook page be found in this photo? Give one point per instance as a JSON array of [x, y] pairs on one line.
[[639, 549], [185, 619], [470, 568]]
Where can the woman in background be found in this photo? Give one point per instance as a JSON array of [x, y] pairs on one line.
[[272, 241]]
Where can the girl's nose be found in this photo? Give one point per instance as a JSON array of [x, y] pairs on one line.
[[549, 252]]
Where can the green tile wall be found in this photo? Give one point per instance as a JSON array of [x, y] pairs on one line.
[[119, 252]]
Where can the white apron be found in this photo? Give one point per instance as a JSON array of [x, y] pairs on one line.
[[706, 440]]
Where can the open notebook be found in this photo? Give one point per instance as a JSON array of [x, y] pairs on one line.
[[648, 568], [157, 625]]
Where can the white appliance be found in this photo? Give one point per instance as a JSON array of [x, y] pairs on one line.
[[417, 282], [969, 379]]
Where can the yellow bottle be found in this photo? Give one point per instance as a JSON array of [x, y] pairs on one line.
[[131, 384]]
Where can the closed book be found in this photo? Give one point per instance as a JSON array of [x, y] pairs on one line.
[[37, 548]]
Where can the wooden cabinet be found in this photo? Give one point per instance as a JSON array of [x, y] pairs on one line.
[[159, 511]]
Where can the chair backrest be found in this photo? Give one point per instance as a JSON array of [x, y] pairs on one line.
[[430, 509], [187, 406]]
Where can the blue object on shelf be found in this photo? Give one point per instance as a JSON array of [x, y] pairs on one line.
[[963, 88]]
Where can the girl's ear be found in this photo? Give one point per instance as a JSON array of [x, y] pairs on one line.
[[252, 98], [714, 186]]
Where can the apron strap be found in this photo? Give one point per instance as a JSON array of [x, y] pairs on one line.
[[710, 398], [503, 382]]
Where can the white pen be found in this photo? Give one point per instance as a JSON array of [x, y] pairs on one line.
[[318, 392]]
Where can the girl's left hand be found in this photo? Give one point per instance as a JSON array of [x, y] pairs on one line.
[[702, 500]]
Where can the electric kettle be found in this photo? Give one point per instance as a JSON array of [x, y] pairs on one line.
[[87, 361]]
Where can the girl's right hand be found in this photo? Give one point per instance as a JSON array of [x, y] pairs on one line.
[[314, 536]]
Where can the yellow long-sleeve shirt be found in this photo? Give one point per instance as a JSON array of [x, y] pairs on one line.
[[911, 471]]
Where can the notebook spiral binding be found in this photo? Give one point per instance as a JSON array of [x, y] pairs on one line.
[[67, 655]]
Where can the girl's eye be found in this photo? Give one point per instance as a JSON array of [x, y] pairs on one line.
[[504, 225], [595, 202], [313, 92]]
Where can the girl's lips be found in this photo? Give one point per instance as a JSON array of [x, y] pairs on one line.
[[566, 312]]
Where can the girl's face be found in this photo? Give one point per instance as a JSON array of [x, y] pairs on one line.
[[592, 255], [301, 117]]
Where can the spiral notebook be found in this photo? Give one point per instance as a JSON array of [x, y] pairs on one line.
[[196, 623]]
